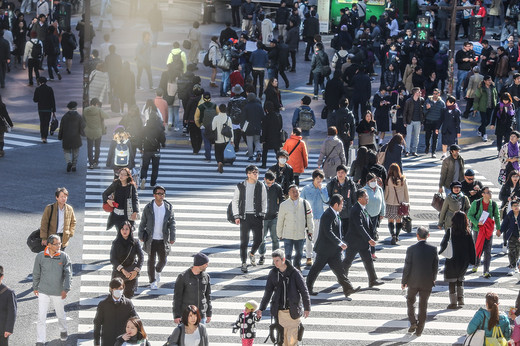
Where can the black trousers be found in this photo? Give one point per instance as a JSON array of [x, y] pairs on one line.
[[93, 150], [485, 117], [258, 74], [355, 107], [45, 118], [235, 14], [250, 223], [52, 65], [469, 105], [424, 295], [281, 71], [195, 137], [502, 135], [219, 151], [155, 157], [293, 59], [81, 49], [237, 135], [429, 130], [334, 262], [4, 341], [32, 65], [264, 154], [364, 253], [309, 47], [157, 250]]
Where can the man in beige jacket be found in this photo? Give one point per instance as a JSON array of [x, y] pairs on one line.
[[58, 218], [295, 222]]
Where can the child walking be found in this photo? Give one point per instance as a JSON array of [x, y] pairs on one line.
[[246, 323]]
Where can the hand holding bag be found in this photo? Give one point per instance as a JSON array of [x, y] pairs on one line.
[[437, 202], [497, 339], [404, 208]]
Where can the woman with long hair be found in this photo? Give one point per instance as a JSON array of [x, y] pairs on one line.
[[396, 192], [122, 196], [503, 117], [367, 130], [190, 331], [272, 93], [135, 334], [271, 127], [126, 256], [463, 255], [359, 169], [509, 154], [489, 318], [213, 57], [394, 151]]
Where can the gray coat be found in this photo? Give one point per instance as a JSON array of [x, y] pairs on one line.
[[177, 337], [147, 225], [332, 154]]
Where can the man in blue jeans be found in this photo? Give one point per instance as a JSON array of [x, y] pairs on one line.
[[294, 225], [274, 198], [204, 118], [413, 117]]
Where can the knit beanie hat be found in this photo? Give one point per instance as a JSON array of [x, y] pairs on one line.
[[200, 259]]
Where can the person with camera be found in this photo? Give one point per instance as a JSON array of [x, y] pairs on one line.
[[471, 187]]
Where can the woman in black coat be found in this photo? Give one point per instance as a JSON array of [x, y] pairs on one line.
[[126, 257], [71, 129], [189, 119], [394, 151], [121, 191], [5, 122], [68, 44], [272, 93], [502, 119], [450, 123], [19, 37], [463, 255], [397, 100], [510, 190], [366, 130], [126, 86], [272, 125]]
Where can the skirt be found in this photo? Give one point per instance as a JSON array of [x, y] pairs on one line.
[[392, 212]]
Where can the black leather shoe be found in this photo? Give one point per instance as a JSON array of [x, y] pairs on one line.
[[412, 328], [375, 283], [313, 293], [352, 291]]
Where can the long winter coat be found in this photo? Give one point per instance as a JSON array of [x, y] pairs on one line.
[[463, 254], [5, 115], [450, 122], [93, 117], [332, 154], [272, 124], [111, 318], [71, 129]]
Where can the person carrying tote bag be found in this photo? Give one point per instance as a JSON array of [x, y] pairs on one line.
[[489, 318]]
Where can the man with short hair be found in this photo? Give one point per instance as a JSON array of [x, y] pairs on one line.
[[464, 59], [153, 139], [344, 186], [157, 232], [247, 9], [249, 206], [8, 309], [58, 218], [514, 91], [471, 187], [329, 246], [281, 20], [452, 169], [434, 106], [274, 198], [44, 97], [185, 294], [72, 128], [413, 116], [112, 313], [143, 59], [33, 63], [52, 277], [419, 275], [294, 225], [358, 238], [204, 115], [177, 51], [288, 308]]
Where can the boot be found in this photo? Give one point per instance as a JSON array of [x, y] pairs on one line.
[[453, 301], [398, 228], [460, 295], [391, 227]]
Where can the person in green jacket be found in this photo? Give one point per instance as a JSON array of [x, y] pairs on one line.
[[485, 101], [95, 128], [489, 318], [474, 213]]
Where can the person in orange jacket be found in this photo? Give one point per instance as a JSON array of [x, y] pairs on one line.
[[298, 155]]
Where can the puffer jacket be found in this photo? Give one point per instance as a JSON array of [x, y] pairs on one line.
[[294, 219], [191, 289]]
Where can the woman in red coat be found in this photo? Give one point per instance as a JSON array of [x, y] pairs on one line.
[[482, 14]]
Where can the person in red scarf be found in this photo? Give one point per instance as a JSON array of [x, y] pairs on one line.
[[484, 215]]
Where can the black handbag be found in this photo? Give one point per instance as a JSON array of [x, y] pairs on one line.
[[54, 125], [34, 242], [283, 136], [407, 224]]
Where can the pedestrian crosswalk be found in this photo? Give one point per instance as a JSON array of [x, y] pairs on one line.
[[200, 197], [18, 140]]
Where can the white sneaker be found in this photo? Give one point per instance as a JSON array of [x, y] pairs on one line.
[[504, 249], [143, 183], [153, 285], [157, 277], [511, 272], [484, 138]]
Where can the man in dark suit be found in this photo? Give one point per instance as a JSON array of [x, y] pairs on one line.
[[328, 248], [7, 311], [419, 274], [358, 239]]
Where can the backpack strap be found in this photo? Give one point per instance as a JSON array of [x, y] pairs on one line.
[[296, 146]]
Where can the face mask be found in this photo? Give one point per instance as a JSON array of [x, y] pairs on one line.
[[372, 184], [117, 293], [282, 160]]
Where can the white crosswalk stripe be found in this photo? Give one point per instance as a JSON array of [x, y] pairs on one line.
[[16, 140], [200, 197]]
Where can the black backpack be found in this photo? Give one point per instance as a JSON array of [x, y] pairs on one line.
[[177, 63], [36, 52], [340, 61], [235, 110], [230, 216]]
